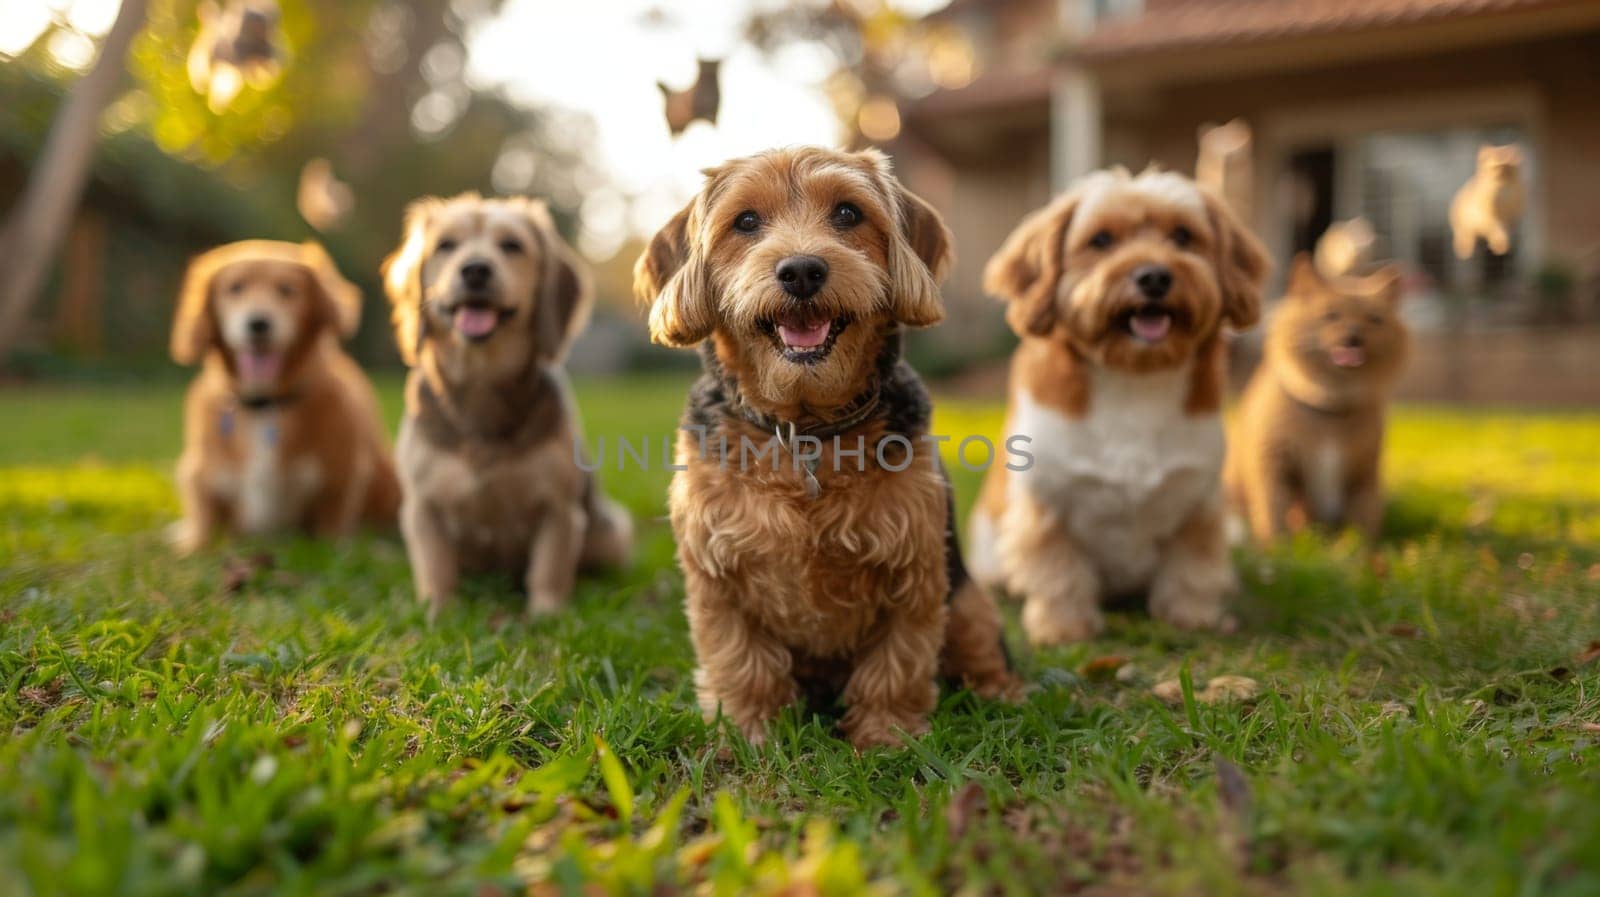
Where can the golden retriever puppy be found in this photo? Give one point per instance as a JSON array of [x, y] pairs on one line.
[[1307, 442], [487, 298], [1490, 203], [814, 521], [281, 429], [1120, 289]]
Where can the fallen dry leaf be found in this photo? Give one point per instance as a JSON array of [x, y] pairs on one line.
[[1404, 630], [964, 807], [1170, 691], [1234, 830], [1590, 654], [1101, 669], [1216, 691], [1590, 727], [237, 572], [1231, 688]]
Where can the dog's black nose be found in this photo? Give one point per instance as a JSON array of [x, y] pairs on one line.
[[802, 275], [1154, 281], [476, 274], [1353, 340], [258, 326]]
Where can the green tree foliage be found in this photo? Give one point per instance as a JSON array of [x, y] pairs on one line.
[[377, 87]]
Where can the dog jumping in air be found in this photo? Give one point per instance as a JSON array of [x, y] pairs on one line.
[[1120, 290], [1489, 205], [1307, 440], [281, 428], [827, 566], [487, 298]]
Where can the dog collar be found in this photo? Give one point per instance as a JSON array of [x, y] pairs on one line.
[[856, 412], [262, 403], [859, 410]]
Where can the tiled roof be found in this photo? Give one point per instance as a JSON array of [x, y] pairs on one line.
[[1201, 23]]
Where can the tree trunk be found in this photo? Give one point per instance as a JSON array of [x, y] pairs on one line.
[[34, 229]]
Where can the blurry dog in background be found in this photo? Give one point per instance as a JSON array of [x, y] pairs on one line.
[[1307, 441], [1346, 248], [281, 429], [1490, 203], [487, 298], [830, 567], [1120, 290], [1225, 165]]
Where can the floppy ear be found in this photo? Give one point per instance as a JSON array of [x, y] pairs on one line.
[[1242, 264], [565, 298], [920, 257], [1027, 268], [402, 281], [193, 329], [671, 278], [920, 250], [341, 299]]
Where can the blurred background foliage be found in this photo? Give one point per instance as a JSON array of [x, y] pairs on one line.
[[376, 87]]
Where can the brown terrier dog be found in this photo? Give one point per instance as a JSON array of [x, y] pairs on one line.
[[1308, 438], [830, 564], [1120, 290], [487, 298], [281, 429]]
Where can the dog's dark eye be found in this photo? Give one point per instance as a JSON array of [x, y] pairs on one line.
[[285, 290], [747, 222], [1374, 318], [1102, 239], [446, 246], [845, 215], [510, 247], [235, 288], [1330, 316], [1181, 236]]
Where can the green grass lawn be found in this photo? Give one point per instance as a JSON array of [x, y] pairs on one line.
[[1426, 722]]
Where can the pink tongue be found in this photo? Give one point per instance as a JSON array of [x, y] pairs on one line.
[[1348, 356], [258, 367], [1150, 327], [804, 337], [475, 322]]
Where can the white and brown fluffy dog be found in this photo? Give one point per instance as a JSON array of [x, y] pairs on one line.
[[1120, 290], [281, 428], [487, 298]]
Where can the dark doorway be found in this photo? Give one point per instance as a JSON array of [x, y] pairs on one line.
[[1311, 173]]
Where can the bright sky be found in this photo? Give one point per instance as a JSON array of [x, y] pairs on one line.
[[603, 57]]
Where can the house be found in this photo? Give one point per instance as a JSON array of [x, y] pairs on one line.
[[1357, 107]]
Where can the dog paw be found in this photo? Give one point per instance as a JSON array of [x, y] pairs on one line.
[[183, 538], [754, 732], [544, 603], [881, 730], [1196, 616], [1055, 624], [1007, 687]]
